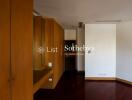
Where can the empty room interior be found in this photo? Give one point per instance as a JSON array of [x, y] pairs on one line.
[[65, 50]]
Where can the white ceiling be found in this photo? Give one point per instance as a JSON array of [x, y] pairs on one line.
[[70, 12]]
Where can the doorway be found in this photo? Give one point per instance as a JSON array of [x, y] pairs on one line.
[[70, 56]]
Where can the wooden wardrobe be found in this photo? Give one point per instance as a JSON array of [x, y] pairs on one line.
[[16, 50], [58, 59], [49, 36], [54, 42], [16, 36]]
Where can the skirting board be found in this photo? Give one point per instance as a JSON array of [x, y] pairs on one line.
[[123, 81], [101, 78], [108, 79]]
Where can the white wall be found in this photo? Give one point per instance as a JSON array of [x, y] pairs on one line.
[[124, 50], [81, 54], [101, 62], [70, 34]]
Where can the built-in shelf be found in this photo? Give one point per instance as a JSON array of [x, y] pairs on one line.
[[40, 78]]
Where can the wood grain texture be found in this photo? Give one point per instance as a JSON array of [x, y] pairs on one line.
[[48, 40], [21, 49], [4, 50], [42, 82], [43, 42], [59, 55], [54, 38], [37, 43]]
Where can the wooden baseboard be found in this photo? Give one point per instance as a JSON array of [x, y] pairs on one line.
[[101, 78], [123, 81], [108, 79]]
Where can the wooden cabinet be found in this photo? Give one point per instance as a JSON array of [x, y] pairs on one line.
[[49, 35], [37, 43], [16, 50], [16, 34], [54, 47], [58, 56], [41, 78], [21, 49], [4, 49], [48, 40], [43, 42]]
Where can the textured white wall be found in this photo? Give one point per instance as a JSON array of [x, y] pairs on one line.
[[124, 50], [101, 62], [70, 34]]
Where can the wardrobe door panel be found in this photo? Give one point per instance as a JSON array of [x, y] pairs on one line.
[[21, 49], [37, 41], [43, 43], [57, 58], [62, 48], [5, 50], [48, 41]]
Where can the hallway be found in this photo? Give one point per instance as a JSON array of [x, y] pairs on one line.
[[73, 87]]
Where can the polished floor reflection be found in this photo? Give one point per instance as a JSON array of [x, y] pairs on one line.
[[73, 87]]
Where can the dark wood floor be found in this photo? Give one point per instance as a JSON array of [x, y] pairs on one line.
[[73, 87]]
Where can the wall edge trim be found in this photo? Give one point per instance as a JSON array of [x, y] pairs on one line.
[[108, 79]]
